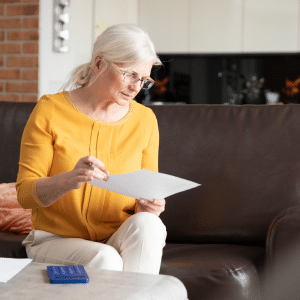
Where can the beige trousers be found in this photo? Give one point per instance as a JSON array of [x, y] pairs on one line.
[[135, 247]]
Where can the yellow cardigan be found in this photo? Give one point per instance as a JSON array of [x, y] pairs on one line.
[[56, 136]]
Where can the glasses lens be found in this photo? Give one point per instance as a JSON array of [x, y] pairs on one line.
[[130, 78], [133, 79]]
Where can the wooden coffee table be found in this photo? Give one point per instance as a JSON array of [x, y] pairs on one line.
[[33, 283]]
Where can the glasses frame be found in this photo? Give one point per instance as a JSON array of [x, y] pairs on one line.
[[124, 73]]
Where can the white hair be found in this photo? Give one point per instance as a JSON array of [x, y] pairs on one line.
[[122, 43]]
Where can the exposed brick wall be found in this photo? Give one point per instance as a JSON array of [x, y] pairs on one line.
[[19, 47]]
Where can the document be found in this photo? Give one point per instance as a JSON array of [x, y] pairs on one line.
[[145, 184], [9, 267]]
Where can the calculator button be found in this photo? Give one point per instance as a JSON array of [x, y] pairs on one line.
[[71, 270], [62, 271]]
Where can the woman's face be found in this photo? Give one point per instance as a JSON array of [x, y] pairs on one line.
[[111, 86]]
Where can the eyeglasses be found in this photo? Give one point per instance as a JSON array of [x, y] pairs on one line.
[[132, 78]]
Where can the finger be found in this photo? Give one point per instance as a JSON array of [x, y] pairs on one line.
[[160, 202], [91, 174], [148, 205], [99, 174], [102, 169], [155, 204], [90, 159], [98, 167], [139, 204], [102, 174], [144, 208], [95, 163]]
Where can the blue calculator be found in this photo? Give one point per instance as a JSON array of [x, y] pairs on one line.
[[67, 274]]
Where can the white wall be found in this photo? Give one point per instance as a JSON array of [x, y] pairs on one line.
[[54, 68]]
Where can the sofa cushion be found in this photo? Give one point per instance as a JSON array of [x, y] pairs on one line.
[[11, 245], [215, 271], [13, 218]]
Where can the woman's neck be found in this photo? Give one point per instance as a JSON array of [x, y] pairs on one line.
[[86, 101]]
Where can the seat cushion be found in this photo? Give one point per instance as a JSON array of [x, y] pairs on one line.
[[215, 271], [11, 245]]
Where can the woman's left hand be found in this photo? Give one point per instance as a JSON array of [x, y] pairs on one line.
[[157, 206]]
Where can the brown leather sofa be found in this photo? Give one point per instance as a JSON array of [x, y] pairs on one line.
[[227, 238]]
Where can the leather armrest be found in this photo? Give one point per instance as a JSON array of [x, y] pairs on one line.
[[283, 256], [283, 235]]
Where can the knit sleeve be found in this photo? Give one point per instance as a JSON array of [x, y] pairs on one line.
[[36, 153], [150, 153]]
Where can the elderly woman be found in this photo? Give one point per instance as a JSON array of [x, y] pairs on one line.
[[90, 132]]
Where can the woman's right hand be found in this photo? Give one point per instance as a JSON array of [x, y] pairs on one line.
[[82, 171]]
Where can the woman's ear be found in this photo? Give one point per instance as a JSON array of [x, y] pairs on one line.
[[98, 63], [98, 60]]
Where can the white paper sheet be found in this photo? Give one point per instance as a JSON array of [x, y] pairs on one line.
[[145, 184], [9, 267]]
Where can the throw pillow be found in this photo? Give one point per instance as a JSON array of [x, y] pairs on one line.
[[13, 218]]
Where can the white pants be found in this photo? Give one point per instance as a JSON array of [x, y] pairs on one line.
[[135, 247]]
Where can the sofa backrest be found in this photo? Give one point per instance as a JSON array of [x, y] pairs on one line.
[[247, 159], [13, 118]]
